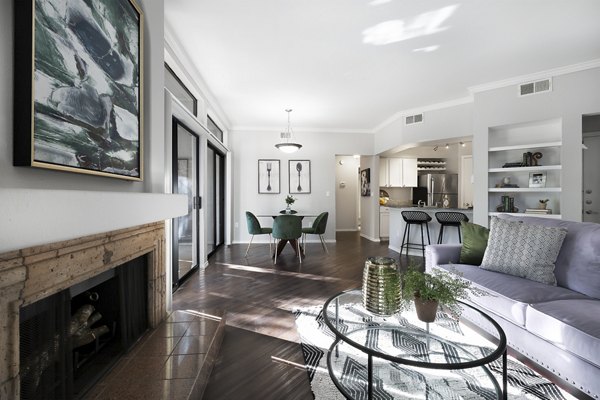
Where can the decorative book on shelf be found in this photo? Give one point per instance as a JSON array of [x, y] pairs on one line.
[[543, 211], [529, 160], [507, 205]]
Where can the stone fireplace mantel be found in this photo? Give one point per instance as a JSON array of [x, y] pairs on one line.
[[34, 273]]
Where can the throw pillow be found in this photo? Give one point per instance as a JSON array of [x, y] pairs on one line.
[[524, 250], [474, 243]]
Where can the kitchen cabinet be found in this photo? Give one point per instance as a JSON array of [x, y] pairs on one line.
[[398, 172]]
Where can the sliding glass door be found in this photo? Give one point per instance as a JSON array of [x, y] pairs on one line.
[[215, 199], [186, 232]]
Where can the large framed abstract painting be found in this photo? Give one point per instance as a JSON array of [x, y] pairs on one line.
[[78, 86]]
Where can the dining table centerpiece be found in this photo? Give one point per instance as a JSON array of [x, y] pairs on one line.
[[289, 200]]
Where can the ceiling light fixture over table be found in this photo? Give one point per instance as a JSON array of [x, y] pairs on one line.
[[288, 146]]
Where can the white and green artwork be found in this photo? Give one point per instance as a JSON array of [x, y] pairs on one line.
[[86, 73]]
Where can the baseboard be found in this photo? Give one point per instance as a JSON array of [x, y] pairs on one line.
[[347, 230], [396, 249], [372, 239]]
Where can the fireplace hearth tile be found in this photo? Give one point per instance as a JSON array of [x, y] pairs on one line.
[[180, 375], [183, 366], [172, 329], [202, 328]]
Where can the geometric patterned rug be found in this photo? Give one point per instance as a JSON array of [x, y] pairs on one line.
[[316, 338]]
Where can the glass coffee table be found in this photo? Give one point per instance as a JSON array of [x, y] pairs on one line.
[[399, 356]]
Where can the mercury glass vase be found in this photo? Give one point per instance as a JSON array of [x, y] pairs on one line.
[[381, 293]]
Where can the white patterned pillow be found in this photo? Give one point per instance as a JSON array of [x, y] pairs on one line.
[[524, 250]]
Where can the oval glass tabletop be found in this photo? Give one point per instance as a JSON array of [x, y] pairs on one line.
[[447, 343]]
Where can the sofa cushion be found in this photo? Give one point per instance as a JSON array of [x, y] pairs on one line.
[[523, 250], [474, 242], [578, 263], [572, 325], [509, 295]]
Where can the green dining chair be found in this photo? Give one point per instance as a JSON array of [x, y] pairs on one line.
[[254, 228], [288, 227], [318, 228]]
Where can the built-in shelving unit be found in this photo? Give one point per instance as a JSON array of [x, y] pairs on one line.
[[526, 185]]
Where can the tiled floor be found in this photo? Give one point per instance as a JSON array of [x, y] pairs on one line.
[[172, 362]]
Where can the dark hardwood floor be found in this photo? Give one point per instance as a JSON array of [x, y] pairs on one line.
[[260, 356]]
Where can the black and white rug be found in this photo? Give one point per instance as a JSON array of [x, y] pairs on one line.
[[396, 380]]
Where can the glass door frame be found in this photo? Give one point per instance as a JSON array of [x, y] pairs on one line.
[[196, 205], [218, 229]]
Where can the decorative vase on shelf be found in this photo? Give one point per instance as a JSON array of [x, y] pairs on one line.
[[426, 309], [381, 292]]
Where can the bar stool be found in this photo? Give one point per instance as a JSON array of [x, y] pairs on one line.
[[450, 218], [415, 218]]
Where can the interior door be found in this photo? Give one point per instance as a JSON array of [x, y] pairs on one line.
[[591, 183], [186, 232]]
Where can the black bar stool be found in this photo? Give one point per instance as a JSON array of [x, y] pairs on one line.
[[450, 218], [415, 218]]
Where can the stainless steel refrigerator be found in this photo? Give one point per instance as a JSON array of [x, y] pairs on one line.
[[440, 186]]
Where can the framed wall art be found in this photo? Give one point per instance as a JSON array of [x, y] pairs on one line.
[[268, 176], [365, 182], [537, 179], [299, 176], [78, 86]]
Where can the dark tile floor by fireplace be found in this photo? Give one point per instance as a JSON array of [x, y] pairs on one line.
[[260, 355]]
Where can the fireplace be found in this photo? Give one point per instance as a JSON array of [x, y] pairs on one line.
[[69, 310]]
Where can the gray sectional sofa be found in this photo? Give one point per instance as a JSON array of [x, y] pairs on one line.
[[558, 327]]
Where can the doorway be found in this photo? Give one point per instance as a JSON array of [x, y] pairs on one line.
[[347, 193], [186, 180], [466, 181], [591, 166]]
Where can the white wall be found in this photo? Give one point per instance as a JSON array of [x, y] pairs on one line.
[[443, 123], [346, 193], [47, 182], [369, 205], [572, 96], [320, 148]]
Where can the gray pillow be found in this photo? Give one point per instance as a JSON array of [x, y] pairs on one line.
[[524, 250]]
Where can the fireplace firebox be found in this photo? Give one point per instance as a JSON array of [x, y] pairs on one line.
[[72, 338]]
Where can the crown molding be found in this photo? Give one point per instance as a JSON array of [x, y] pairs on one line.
[[271, 129], [419, 110], [173, 47], [568, 69]]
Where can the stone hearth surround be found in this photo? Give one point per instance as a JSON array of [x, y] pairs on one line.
[[31, 274]]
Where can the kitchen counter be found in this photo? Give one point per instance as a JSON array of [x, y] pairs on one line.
[[397, 225]]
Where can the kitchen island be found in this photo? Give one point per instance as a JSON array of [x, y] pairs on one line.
[[397, 226]]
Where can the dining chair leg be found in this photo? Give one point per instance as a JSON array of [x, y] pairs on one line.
[[270, 238], [249, 244], [304, 242], [323, 244], [275, 258], [299, 252]]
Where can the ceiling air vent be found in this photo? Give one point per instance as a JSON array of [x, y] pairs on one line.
[[413, 119], [545, 85]]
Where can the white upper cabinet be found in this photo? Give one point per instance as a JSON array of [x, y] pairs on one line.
[[398, 172]]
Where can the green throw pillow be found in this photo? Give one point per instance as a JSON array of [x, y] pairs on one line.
[[474, 243]]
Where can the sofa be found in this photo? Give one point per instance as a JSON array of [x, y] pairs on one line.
[[557, 327]]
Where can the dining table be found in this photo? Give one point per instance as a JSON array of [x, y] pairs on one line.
[[283, 242]]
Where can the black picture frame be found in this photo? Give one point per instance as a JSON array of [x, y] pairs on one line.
[[365, 182], [269, 176], [299, 176], [78, 87]]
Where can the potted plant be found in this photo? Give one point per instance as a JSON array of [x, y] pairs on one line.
[[289, 200], [430, 290]]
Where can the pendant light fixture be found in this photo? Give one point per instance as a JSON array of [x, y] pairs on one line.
[[287, 146]]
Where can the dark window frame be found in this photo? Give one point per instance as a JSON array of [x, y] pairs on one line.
[[220, 131], [195, 111]]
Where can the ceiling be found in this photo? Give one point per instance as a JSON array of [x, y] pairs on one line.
[[352, 64]]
